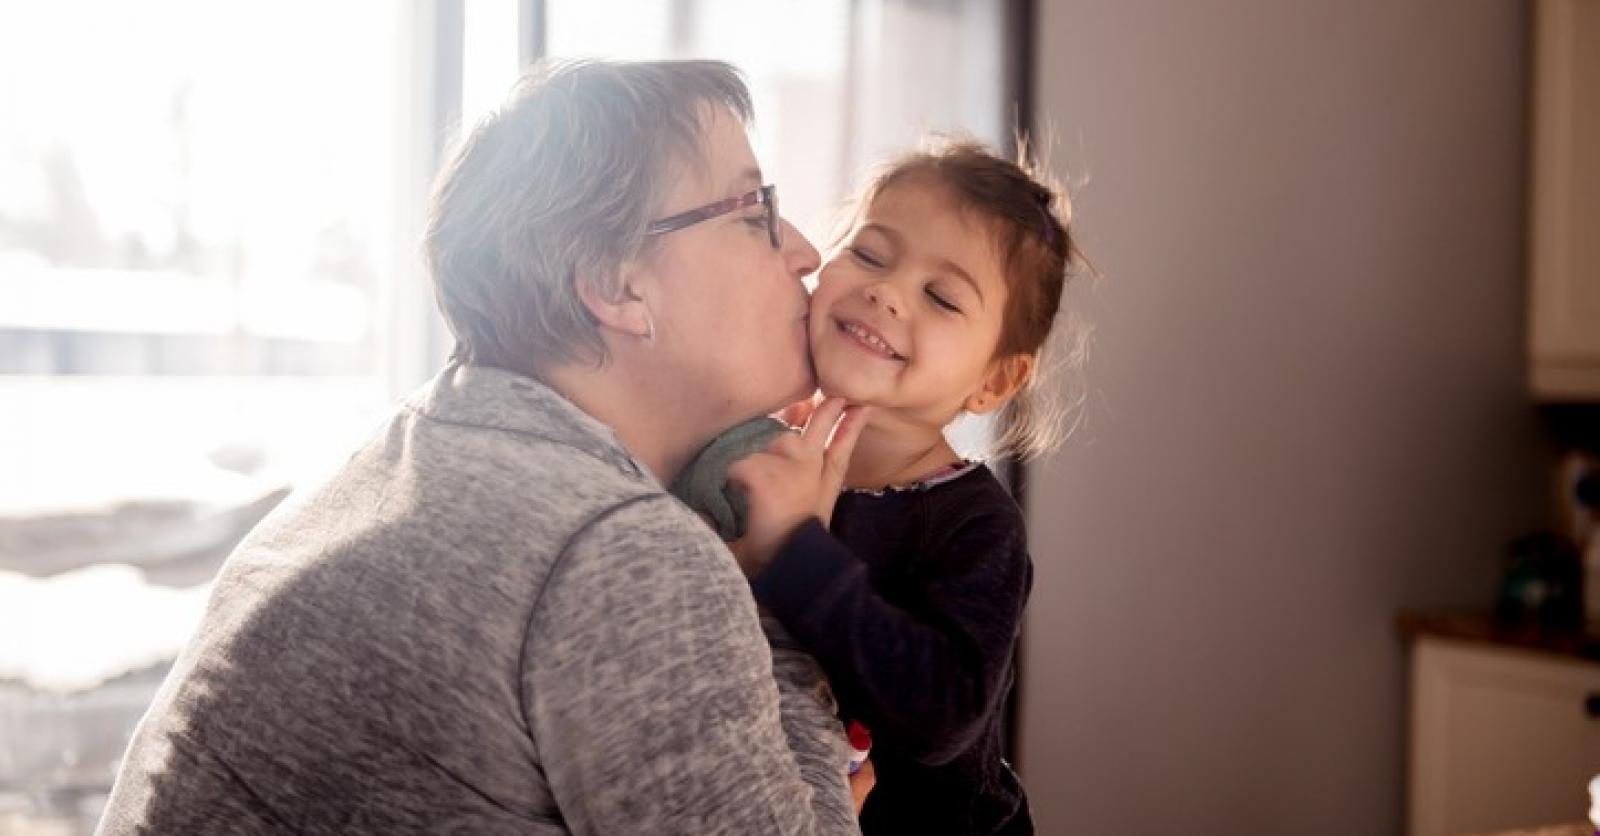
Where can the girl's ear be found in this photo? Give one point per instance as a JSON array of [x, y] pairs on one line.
[[1005, 376], [627, 313]]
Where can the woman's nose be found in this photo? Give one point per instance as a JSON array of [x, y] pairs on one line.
[[799, 256]]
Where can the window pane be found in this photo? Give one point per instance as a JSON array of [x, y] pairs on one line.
[[200, 230], [489, 56], [198, 187]]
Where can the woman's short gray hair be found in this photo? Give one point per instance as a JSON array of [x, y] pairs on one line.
[[561, 180]]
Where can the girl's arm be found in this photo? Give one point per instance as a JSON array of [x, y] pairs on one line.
[[925, 681]]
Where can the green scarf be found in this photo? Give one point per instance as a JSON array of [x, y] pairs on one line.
[[703, 485]]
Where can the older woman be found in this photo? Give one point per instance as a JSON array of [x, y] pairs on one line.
[[493, 619]]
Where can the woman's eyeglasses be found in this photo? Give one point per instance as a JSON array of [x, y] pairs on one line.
[[766, 196]]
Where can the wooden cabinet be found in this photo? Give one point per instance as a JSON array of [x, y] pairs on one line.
[[1500, 737], [1564, 211]]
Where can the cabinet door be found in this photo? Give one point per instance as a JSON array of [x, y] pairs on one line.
[[1564, 215], [1500, 738]]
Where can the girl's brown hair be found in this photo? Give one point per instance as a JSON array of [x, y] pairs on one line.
[[1031, 218]]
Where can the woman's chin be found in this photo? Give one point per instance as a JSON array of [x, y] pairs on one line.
[[802, 384]]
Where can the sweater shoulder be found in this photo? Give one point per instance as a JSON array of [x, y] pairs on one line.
[[976, 499]]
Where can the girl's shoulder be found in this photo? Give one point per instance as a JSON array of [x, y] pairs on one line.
[[971, 524], [972, 490], [964, 498]]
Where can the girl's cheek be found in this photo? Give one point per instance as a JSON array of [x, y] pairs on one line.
[[825, 292]]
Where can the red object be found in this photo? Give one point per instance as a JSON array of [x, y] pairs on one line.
[[860, 738]]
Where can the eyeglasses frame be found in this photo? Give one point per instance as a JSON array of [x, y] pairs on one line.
[[766, 195]]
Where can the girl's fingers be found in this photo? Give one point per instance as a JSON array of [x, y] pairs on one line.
[[751, 469], [785, 445], [738, 472], [836, 459], [797, 413], [815, 435]]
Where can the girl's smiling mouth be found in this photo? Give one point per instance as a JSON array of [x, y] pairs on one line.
[[868, 339]]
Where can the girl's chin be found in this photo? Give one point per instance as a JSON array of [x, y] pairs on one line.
[[842, 386]]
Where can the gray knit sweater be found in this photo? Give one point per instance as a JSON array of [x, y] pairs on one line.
[[490, 620]]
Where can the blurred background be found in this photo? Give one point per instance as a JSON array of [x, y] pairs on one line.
[[1314, 562]]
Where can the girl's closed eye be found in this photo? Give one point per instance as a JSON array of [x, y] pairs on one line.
[[866, 257], [941, 301]]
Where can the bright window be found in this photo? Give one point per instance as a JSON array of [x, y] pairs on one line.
[[207, 212]]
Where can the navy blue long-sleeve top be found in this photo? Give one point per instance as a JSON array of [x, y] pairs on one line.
[[913, 605]]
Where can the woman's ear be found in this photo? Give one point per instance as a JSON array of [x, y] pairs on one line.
[[1005, 376], [623, 311]]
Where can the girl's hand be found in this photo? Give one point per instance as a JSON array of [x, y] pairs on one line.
[[861, 783], [795, 479], [799, 412]]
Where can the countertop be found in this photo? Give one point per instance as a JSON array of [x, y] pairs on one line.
[[1577, 829], [1485, 628]]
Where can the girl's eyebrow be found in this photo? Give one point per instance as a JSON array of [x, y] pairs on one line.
[[885, 231]]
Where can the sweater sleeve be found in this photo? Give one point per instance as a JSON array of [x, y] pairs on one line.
[[925, 680], [649, 690]]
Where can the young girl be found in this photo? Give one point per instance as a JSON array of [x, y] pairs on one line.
[[937, 303]]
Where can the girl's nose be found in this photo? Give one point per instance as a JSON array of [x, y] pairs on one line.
[[881, 295]]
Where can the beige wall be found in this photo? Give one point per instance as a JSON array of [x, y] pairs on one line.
[[1308, 407]]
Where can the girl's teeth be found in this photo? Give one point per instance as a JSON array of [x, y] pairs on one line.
[[871, 340]]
